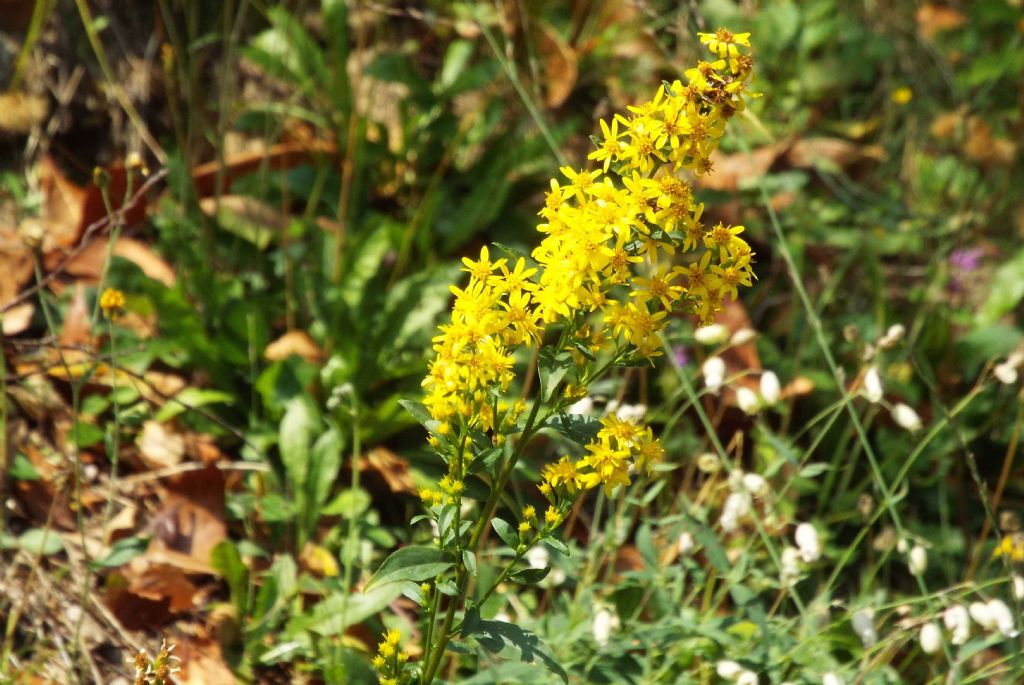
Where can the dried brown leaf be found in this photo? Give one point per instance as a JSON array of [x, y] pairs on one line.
[[932, 19], [297, 343]]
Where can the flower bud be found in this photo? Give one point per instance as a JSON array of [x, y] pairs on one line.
[[604, 623], [771, 390], [730, 670], [863, 624], [918, 561], [873, 385], [958, 623], [1002, 617], [807, 542], [686, 544], [1005, 374], [743, 336], [709, 463], [755, 484], [711, 335], [747, 400], [582, 407], [831, 678], [714, 373], [931, 638], [906, 418], [982, 615]]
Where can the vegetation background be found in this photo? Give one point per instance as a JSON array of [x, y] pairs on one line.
[[283, 191]]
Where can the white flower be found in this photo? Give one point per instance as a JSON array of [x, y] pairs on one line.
[[790, 571], [730, 670], [807, 542], [743, 336], [906, 418], [918, 561], [982, 615], [747, 400], [737, 505], [686, 543], [755, 484], [605, 621], [873, 385], [892, 336], [1018, 587], [957, 622], [537, 557], [1005, 374], [747, 678], [711, 335], [631, 412], [864, 625], [709, 463], [1002, 617], [714, 373], [831, 678], [582, 407], [931, 638], [771, 390]]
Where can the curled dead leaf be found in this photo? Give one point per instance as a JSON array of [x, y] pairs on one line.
[[933, 19], [294, 342], [159, 447], [561, 69], [391, 468], [89, 263]]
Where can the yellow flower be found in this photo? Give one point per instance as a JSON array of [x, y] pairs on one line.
[[112, 302], [902, 96]]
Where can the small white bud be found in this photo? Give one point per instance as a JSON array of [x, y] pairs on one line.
[[1018, 587], [714, 373], [790, 571], [863, 624], [771, 390], [709, 463], [982, 615], [747, 678], [686, 543], [604, 623], [906, 418], [1005, 374], [807, 542], [873, 385], [582, 407], [736, 507], [831, 679], [918, 561], [931, 638], [892, 336], [711, 335], [632, 412], [902, 546], [743, 336], [537, 557], [755, 484], [747, 400], [1002, 617], [730, 670], [958, 623]]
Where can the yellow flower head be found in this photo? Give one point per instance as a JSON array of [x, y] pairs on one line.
[[112, 302]]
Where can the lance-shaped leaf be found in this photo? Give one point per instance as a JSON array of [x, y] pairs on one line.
[[411, 563]]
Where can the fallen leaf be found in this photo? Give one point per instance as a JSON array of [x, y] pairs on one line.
[[21, 112], [561, 70], [15, 267], [811, 152], [981, 146], [75, 329], [932, 19], [18, 318], [143, 594], [278, 157], [89, 264], [319, 561], [392, 469], [159, 447], [944, 125], [62, 208], [294, 342], [202, 663], [729, 170], [122, 525], [191, 521]]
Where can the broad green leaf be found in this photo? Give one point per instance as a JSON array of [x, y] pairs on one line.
[[34, 541], [411, 563], [509, 641], [1005, 291], [530, 576], [469, 561], [228, 563], [419, 412], [191, 398], [350, 503], [580, 429], [297, 428], [506, 532], [22, 469], [325, 461], [552, 369]]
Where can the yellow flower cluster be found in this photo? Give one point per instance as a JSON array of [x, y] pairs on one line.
[[613, 241], [619, 445], [112, 302], [389, 660], [1011, 547]]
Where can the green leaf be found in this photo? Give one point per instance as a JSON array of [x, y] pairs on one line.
[[34, 541], [1005, 291], [530, 576], [510, 641], [22, 468], [712, 547], [469, 560], [580, 429], [419, 412], [506, 532], [411, 563], [228, 563], [191, 398], [350, 503], [297, 428], [552, 369], [122, 551], [325, 461]]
